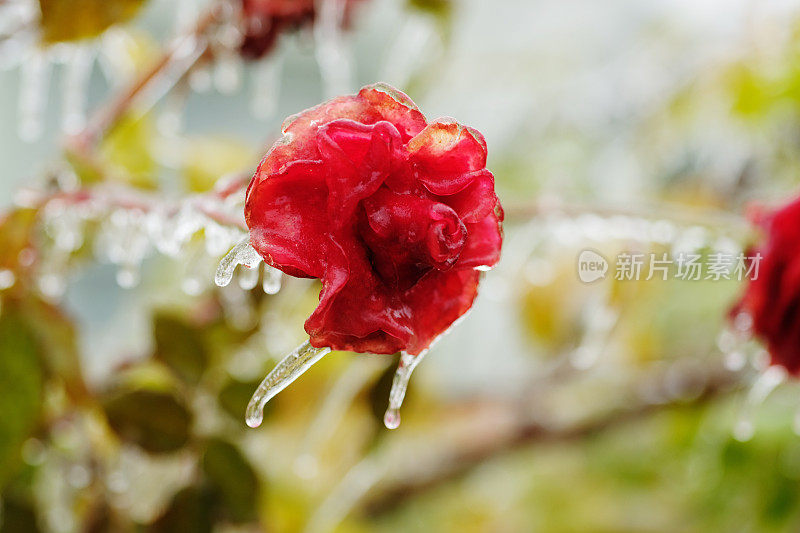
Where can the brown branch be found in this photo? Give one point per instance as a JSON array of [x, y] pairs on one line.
[[523, 433]]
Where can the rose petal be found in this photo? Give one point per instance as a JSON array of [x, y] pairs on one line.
[[356, 313], [444, 153], [477, 200], [358, 159], [396, 107], [407, 235], [287, 216], [484, 240], [437, 301]]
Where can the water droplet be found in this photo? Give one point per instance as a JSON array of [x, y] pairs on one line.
[[7, 278], [128, 276], [735, 360], [241, 254], [289, 369], [52, 285], [391, 418], [191, 286]]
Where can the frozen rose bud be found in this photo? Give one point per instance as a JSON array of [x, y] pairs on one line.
[[266, 20], [772, 299], [394, 214]]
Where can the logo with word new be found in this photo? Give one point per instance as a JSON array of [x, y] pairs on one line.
[[591, 266]]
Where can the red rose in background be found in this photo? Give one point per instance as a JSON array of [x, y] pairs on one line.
[[394, 214], [265, 20], [773, 298]]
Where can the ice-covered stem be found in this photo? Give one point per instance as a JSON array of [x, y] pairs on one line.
[[673, 212], [106, 198], [289, 369]]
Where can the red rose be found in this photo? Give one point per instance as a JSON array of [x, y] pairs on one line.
[[773, 298], [394, 214]]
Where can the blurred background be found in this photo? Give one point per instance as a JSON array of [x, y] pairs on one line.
[[129, 129]]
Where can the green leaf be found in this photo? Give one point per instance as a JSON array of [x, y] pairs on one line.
[[16, 228], [181, 347], [18, 517], [156, 421], [71, 20], [21, 386], [190, 511], [55, 334], [233, 479]]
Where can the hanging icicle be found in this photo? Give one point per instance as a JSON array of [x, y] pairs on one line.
[[332, 52], [241, 254], [75, 88], [34, 86], [289, 369]]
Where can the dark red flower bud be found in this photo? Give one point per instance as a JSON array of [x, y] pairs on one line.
[[395, 215], [266, 20], [772, 299]]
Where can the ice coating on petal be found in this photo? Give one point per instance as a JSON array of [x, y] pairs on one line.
[[392, 214]]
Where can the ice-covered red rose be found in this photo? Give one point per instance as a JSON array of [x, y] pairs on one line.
[[394, 214], [773, 298]]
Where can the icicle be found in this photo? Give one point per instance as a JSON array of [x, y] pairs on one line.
[[408, 362], [763, 386], [248, 278], [241, 254], [332, 55], [34, 86], [289, 369], [267, 86], [228, 37], [272, 280], [76, 82], [228, 73], [18, 31]]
